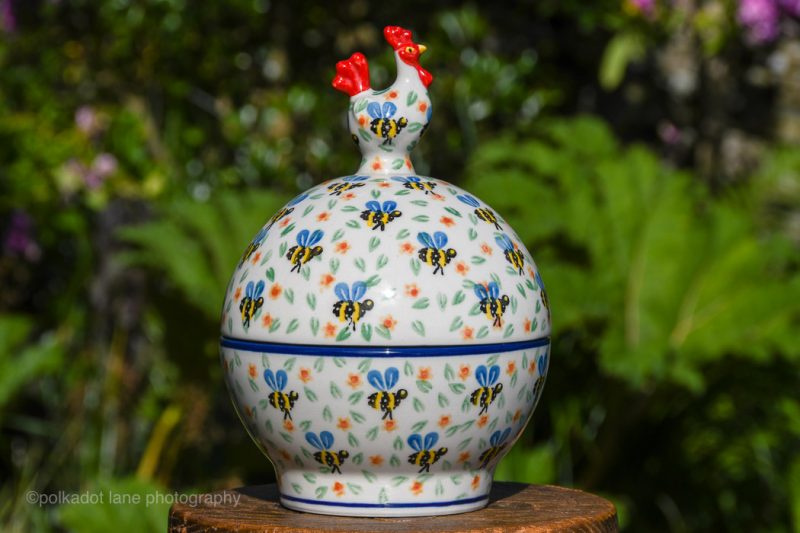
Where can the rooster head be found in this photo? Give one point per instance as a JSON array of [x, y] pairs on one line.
[[408, 51]]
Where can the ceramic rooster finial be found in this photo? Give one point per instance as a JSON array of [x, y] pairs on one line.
[[387, 124]]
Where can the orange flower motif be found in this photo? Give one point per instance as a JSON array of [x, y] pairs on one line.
[[326, 280], [408, 163], [348, 196], [390, 425], [405, 248], [517, 415], [486, 249], [267, 320], [462, 268], [330, 330], [251, 369], [416, 488], [256, 258], [389, 322], [354, 380], [483, 420], [511, 368], [447, 221], [531, 273], [476, 481], [237, 294], [248, 411], [284, 222], [304, 375], [377, 460], [275, 291], [344, 423], [338, 488], [362, 121], [423, 106], [384, 184], [467, 333], [322, 217], [463, 372], [412, 290], [437, 196], [391, 95], [342, 247], [288, 426], [444, 421], [376, 164], [424, 373], [532, 367], [463, 457], [528, 324], [286, 455]]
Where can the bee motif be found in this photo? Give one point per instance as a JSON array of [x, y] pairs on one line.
[[305, 250], [492, 304], [483, 213], [424, 455], [427, 120], [349, 308], [384, 399], [325, 456], [378, 216], [383, 125], [413, 183], [251, 302], [488, 391], [541, 364], [254, 244], [513, 255], [545, 301], [434, 253], [282, 401], [350, 182], [262, 234], [497, 441]]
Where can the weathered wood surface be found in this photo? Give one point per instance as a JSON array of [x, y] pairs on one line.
[[512, 507]]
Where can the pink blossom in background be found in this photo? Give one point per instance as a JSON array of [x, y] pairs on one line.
[[104, 164], [792, 7], [18, 239], [645, 7], [9, 20], [760, 19], [86, 120]]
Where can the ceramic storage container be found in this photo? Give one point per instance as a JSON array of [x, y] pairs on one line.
[[385, 335]]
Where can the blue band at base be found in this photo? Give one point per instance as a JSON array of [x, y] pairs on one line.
[[386, 505], [381, 351]]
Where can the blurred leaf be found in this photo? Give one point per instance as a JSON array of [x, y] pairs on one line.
[[623, 49]]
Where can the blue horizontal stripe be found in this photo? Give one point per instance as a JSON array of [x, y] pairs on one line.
[[381, 351], [385, 505]]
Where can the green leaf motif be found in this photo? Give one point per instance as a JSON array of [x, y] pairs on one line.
[[355, 397], [360, 264], [415, 266], [411, 98], [353, 224], [419, 426], [292, 325], [338, 234], [456, 323], [289, 364], [457, 388], [421, 218], [381, 262], [408, 370], [326, 414], [421, 303], [443, 401], [336, 392], [320, 492], [374, 242], [270, 274], [314, 323], [344, 334], [311, 300], [372, 434], [397, 163], [418, 327], [477, 260], [418, 406], [383, 331], [424, 386]]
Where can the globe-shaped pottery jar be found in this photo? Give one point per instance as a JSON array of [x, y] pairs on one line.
[[385, 336]]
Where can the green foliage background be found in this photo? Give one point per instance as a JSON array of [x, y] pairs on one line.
[[143, 143]]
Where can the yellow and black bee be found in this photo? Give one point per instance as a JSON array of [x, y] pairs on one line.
[[251, 302], [378, 216], [282, 401], [498, 443], [383, 125], [254, 244], [545, 300], [434, 252], [325, 456], [385, 400], [489, 388], [262, 234], [492, 304], [350, 182], [483, 213], [541, 364], [349, 308], [305, 250], [424, 455], [415, 184], [513, 255]]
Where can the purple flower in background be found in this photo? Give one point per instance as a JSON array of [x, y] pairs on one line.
[[761, 20], [9, 23], [104, 164], [645, 7], [791, 7], [86, 120], [18, 239]]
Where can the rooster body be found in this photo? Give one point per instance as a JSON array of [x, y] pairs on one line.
[[387, 124]]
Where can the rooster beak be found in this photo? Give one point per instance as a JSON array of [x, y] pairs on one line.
[[422, 48]]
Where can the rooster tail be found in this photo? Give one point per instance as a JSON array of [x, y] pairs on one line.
[[352, 75]]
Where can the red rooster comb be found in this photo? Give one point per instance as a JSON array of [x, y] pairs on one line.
[[397, 37]]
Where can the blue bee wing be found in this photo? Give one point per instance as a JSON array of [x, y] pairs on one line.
[[481, 376], [425, 239], [355, 178], [542, 364], [313, 440], [467, 199], [494, 440], [539, 281], [259, 290], [440, 239], [505, 435], [389, 109], [372, 205], [494, 373], [297, 199], [269, 377], [315, 237], [431, 439], [260, 235], [480, 291], [391, 376], [248, 290], [494, 290], [504, 242], [302, 237], [376, 380], [389, 206], [359, 290], [415, 441], [374, 110], [280, 379], [342, 291], [414, 179], [400, 179], [327, 439], [429, 113]]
